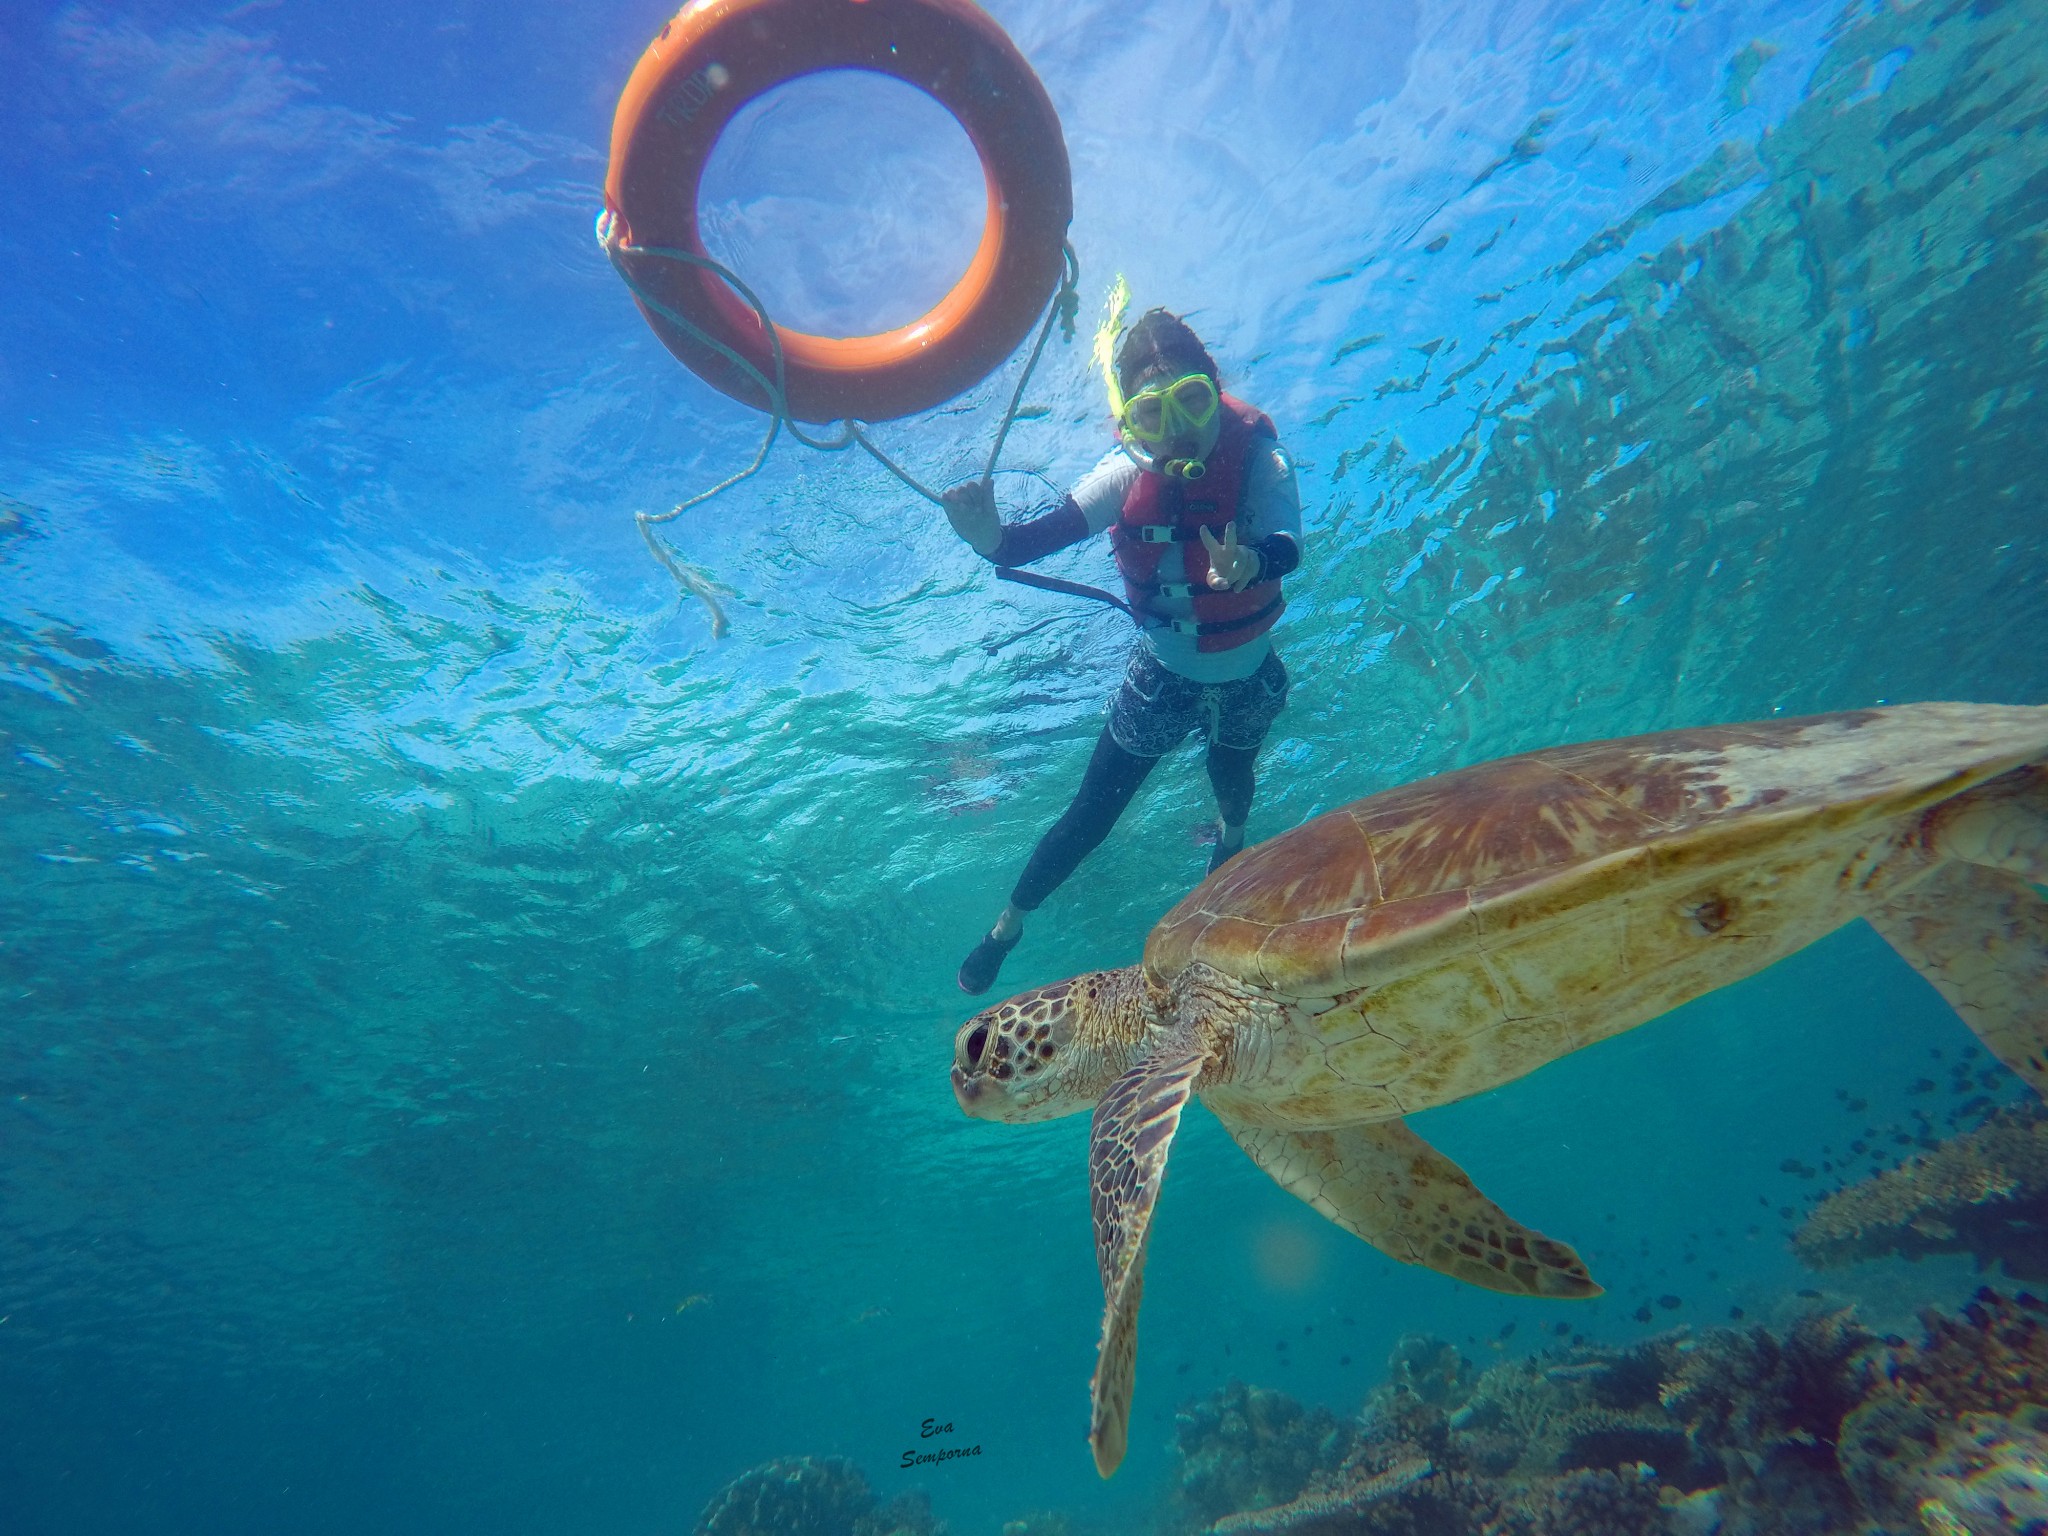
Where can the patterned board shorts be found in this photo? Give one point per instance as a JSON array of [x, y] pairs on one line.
[[1156, 708]]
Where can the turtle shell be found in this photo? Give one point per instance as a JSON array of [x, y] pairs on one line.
[[1311, 912]]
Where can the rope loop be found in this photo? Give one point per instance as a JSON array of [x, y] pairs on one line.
[[1065, 306]]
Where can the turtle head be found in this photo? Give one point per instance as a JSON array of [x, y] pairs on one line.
[[1051, 1051]]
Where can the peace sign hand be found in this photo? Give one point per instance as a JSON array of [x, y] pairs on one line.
[[1232, 567]]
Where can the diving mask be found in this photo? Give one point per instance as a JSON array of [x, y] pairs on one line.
[[1161, 412]]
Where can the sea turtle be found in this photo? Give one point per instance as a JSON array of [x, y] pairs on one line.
[[1440, 939]]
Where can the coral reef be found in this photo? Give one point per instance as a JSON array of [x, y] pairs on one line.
[[812, 1496], [1814, 1430], [1608, 1503], [1984, 1193], [908, 1514], [1989, 1477], [1573, 1447], [1531, 1418], [1430, 1371], [1991, 1359], [1764, 1412], [1245, 1448], [1349, 1494], [1744, 1390]]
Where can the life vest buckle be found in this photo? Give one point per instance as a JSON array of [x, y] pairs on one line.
[[1156, 533], [1198, 628]]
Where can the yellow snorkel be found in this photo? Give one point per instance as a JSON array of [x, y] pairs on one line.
[[1114, 308]]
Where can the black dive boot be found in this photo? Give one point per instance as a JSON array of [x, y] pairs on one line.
[[978, 970], [1220, 855]]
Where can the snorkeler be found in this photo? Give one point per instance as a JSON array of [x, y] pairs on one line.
[[1204, 518]]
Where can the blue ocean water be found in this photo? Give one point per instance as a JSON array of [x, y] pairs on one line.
[[473, 1048]]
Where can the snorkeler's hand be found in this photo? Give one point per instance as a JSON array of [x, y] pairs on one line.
[[1232, 567], [971, 509]]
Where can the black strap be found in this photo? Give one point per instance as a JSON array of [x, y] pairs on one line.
[[1142, 620], [1069, 588]]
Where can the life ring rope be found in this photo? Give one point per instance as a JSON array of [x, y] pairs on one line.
[[1064, 308]]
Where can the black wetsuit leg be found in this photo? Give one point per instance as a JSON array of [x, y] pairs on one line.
[[1113, 776], [1230, 775]]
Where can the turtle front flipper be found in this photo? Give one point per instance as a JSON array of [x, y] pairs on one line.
[[1128, 1143], [1980, 935], [1392, 1188]]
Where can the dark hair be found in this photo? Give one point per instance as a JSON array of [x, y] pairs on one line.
[[1160, 336]]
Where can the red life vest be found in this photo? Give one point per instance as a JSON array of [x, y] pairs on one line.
[[1163, 512]]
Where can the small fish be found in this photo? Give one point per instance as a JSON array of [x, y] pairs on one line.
[[697, 1299]]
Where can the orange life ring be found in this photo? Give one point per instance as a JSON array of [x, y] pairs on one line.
[[713, 58]]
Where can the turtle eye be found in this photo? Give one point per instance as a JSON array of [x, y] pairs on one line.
[[975, 1042]]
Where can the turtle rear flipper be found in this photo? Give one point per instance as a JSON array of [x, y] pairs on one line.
[[1980, 935], [1387, 1185], [1127, 1147], [2001, 824]]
